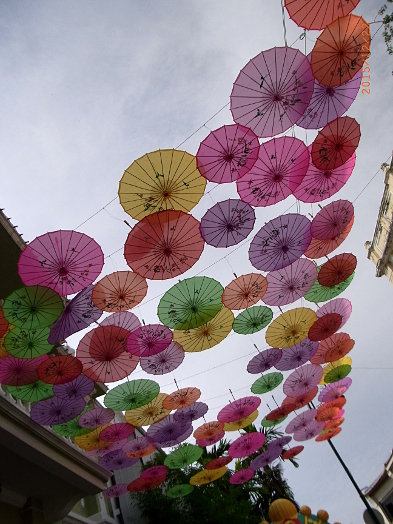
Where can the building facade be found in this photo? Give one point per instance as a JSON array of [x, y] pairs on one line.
[[380, 493]]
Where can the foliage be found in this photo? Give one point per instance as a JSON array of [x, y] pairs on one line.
[[387, 27]]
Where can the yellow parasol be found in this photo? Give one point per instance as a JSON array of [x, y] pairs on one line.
[[290, 328], [149, 413], [207, 335], [207, 475], [242, 423], [92, 440], [161, 180]]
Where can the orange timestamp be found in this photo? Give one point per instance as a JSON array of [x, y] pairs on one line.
[[366, 55]]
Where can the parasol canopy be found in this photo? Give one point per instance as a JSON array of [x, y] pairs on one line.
[[192, 412], [301, 421], [238, 409], [140, 484], [337, 346], [244, 291], [280, 168], [272, 423], [325, 326], [272, 91], [96, 418], [116, 432], [166, 429], [334, 390], [65, 261], [181, 398], [149, 340], [297, 355], [72, 428], [162, 180], [3, 324], [332, 220], [56, 410], [317, 14], [328, 434], [292, 452], [164, 245], [32, 392], [218, 462], [337, 370], [280, 242], [342, 306], [227, 223], [333, 424], [139, 447], [115, 460], [319, 293], [209, 441], [177, 439], [208, 429], [242, 423], [265, 458], [16, 371], [23, 343], [115, 491], [326, 413], [81, 386], [290, 327], [227, 153], [154, 471], [242, 476], [180, 490], [92, 442], [310, 431], [124, 319], [148, 414], [59, 369], [264, 361], [302, 380], [165, 361], [337, 269], [190, 303], [252, 320], [131, 395], [246, 445], [207, 475], [301, 400], [267, 383], [280, 412], [183, 456], [119, 291]]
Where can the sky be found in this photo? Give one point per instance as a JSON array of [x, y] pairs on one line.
[[88, 87]]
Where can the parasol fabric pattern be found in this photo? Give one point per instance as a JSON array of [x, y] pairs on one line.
[[246, 445], [240, 408], [244, 291], [56, 410], [149, 413], [297, 355], [290, 327], [183, 456], [317, 14], [149, 340], [321, 248], [252, 320], [119, 291], [337, 269], [332, 220], [59, 369], [23, 343], [124, 319], [242, 476], [131, 395], [192, 412], [267, 383], [302, 380], [241, 423], [182, 398], [319, 293], [264, 361], [165, 361]]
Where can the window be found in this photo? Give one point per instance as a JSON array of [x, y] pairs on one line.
[[386, 205], [378, 237]]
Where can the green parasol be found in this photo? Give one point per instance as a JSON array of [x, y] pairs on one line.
[[183, 456], [72, 428], [179, 491], [337, 373], [252, 320], [320, 293], [32, 392], [271, 423], [267, 383], [190, 303], [33, 306], [22, 343], [131, 395]]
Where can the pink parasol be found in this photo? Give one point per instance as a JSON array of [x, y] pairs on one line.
[[96, 418], [301, 400], [280, 242], [209, 441], [264, 361], [16, 371], [66, 261], [238, 409], [290, 283], [166, 429], [79, 387], [153, 472], [272, 91], [227, 153], [165, 361], [301, 421], [333, 390], [191, 413], [56, 410], [78, 314], [102, 353], [227, 223], [297, 355], [321, 248], [246, 445], [124, 319], [280, 168], [311, 430], [341, 306], [138, 446], [116, 432], [149, 340], [320, 184], [302, 380], [332, 220], [115, 491], [265, 458], [242, 476], [115, 460]]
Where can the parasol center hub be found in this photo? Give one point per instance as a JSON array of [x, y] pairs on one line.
[[291, 288], [330, 91], [167, 251], [122, 297], [285, 249], [294, 332], [30, 345], [277, 98], [338, 147], [166, 195], [194, 309], [229, 157], [277, 177], [63, 271], [206, 333], [230, 227], [328, 174]]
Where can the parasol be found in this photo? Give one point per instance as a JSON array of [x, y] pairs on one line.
[[19, 372], [3, 324], [165, 361], [244, 291], [32, 392], [242, 476], [333, 424], [181, 398], [311, 430], [183, 456], [166, 429], [148, 414], [325, 326], [335, 390], [227, 153], [218, 462], [119, 291], [91, 441], [81, 386], [252, 320], [131, 395], [208, 429], [332, 220], [59, 369], [271, 423], [290, 283], [115, 460], [336, 143], [23, 343], [116, 432], [72, 428], [290, 327], [337, 346], [207, 475], [177, 440], [208, 335], [32, 307], [267, 383], [65, 261], [338, 52], [265, 458], [301, 400], [342, 306], [326, 413], [339, 414], [192, 412], [115, 491], [190, 303], [180, 490], [161, 180], [264, 361], [209, 441], [281, 441], [301, 421], [317, 14], [336, 403], [139, 484], [164, 245], [242, 423], [337, 370], [246, 445], [102, 448], [281, 411], [328, 434], [56, 410], [302, 380], [124, 319], [280, 242], [321, 248], [227, 223], [238, 409], [319, 293], [139, 447], [102, 353], [272, 91], [292, 452], [95, 418], [280, 168], [154, 471], [296, 356], [336, 270], [78, 314], [149, 340]]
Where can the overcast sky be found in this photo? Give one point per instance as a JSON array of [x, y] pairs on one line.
[[88, 87]]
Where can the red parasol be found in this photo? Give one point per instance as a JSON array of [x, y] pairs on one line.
[[337, 269], [149, 340], [337, 346], [325, 326], [342, 306], [115, 491], [154, 472], [16, 371], [330, 433], [209, 429], [59, 369], [164, 245], [219, 462], [301, 400], [3, 324], [119, 291], [141, 484], [321, 248], [116, 432], [181, 398], [317, 14], [332, 220], [281, 411], [246, 445], [244, 291], [291, 453], [238, 409]]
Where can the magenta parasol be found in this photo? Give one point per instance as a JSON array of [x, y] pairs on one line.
[[65, 261], [115, 491], [280, 242], [16, 371], [302, 380], [280, 168], [227, 223], [166, 429], [165, 361], [242, 476], [153, 472], [227, 153], [246, 445], [191, 413], [272, 91], [115, 460], [116, 432], [96, 418], [301, 421], [311, 430], [265, 458], [238, 409], [149, 340], [333, 390], [332, 220], [123, 319], [209, 441], [290, 283], [264, 361], [56, 410], [341, 306], [297, 355], [79, 387]]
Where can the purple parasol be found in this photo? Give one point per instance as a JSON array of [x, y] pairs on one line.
[[334, 390], [342, 306], [301, 421], [264, 361], [227, 153], [280, 168], [16, 371], [242, 476], [209, 441], [115, 491], [280, 242], [96, 417], [227, 223], [265, 458], [115, 432], [296, 356], [246, 445], [79, 387], [290, 283], [302, 380], [163, 362], [56, 410], [175, 441], [115, 460], [310, 431], [123, 319], [238, 409], [272, 91], [191, 413], [149, 340], [166, 429], [137, 445]]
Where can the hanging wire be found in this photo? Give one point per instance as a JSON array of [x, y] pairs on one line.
[[283, 23]]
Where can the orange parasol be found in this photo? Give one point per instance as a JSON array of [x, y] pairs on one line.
[[317, 14], [336, 346], [244, 291], [290, 328], [181, 398], [209, 429], [325, 413], [321, 248], [324, 327], [119, 291], [333, 424], [330, 433], [337, 269], [336, 403]]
